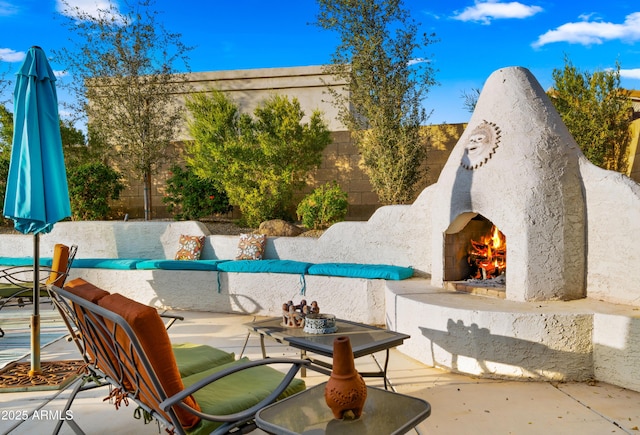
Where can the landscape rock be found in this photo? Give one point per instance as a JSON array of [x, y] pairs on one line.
[[279, 228]]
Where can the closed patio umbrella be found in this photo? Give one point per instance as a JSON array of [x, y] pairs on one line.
[[37, 195]]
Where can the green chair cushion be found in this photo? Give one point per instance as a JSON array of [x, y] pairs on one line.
[[8, 290], [236, 392], [195, 358]]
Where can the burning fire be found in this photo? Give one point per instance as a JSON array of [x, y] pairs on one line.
[[488, 257]]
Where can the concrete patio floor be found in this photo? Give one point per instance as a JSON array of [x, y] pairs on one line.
[[460, 404]]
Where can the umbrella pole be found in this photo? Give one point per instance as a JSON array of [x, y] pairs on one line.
[[35, 318]]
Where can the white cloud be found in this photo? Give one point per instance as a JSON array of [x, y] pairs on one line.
[[485, 11], [65, 113], [417, 60], [9, 55], [630, 73], [90, 7], [593, 32], [7, 9]]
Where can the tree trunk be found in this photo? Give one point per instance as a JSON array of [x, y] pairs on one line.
[[147, 196]]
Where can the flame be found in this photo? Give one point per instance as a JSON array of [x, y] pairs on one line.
[[495, 243], [497, 238], [489, 254]]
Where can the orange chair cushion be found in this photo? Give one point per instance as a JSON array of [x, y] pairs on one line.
[[152, 335], [59, 264], [101, 356], [85, 290]]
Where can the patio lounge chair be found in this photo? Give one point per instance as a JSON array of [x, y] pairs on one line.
[[16, 282], [189, 389]]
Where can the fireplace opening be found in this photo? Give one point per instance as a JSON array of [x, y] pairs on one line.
[[476, 258], [488, 255]]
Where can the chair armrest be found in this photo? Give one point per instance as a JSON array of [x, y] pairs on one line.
[[172, 319], [12, 275], [296, 364]]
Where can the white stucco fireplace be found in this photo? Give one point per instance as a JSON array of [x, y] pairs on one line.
[[520, 170], [571, 231]]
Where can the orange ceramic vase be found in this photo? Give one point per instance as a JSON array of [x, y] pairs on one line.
[[345, 390]]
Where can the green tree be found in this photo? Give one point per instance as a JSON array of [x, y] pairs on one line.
[[6, 137], [6, 127], [4, 85], [386, 86], [191, 197], [76, 150], [73, 140], [470, 99], [91, 182], [124, 77], [6, 130], [597, 112], [323, 207], [4, 173], [259, 161], [91, 186]]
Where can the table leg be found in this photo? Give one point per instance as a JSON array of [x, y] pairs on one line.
[[386, 365], [383, 371], [244, 347], [326, 368], [264, 351], [303, 369]]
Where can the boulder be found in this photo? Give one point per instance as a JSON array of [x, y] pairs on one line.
[[279, 228]]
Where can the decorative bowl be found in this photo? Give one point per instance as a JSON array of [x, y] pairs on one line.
[[320, 324]]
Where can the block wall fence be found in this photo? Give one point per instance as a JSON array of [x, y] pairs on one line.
[[341, 162]]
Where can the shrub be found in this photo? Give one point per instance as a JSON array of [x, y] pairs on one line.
[[4, 173], [91, 186], [259, 160], [191, 197], [323, 207]]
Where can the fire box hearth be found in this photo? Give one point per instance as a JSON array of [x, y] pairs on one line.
[[475, 259]]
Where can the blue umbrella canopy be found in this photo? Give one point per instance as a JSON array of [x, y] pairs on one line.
[[37, 195]]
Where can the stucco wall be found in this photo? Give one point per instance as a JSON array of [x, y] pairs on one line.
[[613, 235], [633, 171], [616, 349], [394, 235], [494, 338]]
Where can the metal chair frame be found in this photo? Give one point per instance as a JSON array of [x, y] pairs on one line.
[[15, 276], [94, 330]]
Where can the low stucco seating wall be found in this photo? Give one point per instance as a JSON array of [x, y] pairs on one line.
[[129, 258], [357, 299], [577, 340]]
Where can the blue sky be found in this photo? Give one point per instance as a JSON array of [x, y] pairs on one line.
[[476, 38]]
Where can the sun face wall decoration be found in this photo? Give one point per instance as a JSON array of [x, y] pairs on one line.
[[482, 144]]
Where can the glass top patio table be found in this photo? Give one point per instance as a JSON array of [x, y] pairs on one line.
[[365, 340], [385, 412]]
